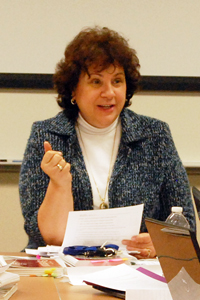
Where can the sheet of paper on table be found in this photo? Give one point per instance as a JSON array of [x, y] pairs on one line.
[[157, 294], [95, 227], [122, 278], [77, 275]]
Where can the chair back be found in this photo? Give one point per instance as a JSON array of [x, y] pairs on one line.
[[196, 196]]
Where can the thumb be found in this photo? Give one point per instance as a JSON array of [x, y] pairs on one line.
[[47, 146]]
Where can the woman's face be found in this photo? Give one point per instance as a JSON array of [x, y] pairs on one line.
[[101, 95]]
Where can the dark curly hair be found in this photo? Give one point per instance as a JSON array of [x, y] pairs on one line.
[[94, 46]]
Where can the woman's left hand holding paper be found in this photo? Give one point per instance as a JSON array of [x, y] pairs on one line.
[[141, 243]]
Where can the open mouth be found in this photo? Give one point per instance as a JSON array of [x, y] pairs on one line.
[[106, 106]]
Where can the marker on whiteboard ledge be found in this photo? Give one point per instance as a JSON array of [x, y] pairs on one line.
[[10, 161]]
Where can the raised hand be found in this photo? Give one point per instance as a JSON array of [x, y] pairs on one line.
[[55, 166]]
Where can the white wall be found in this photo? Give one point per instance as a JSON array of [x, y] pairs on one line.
[[19, 109], [182, 112], [12, 234], [165, 33]]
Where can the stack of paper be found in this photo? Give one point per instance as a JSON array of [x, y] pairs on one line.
[[8, 281], [26, 266], [117, 280], [47, 251]]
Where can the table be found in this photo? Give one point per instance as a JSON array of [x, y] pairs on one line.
[[36, 288], [49, 288]]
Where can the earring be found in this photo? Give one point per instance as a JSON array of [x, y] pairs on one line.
[[73, 101], [127, 102]]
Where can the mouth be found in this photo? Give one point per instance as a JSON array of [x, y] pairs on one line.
[[106, 106]]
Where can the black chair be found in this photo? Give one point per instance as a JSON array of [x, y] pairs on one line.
[[196, 196]]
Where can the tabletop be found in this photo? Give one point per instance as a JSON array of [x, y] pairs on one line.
[[45, 288], [34, 288]]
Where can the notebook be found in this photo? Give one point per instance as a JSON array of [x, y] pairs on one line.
[[27, 266]]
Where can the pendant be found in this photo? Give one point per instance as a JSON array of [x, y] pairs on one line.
[[103, 205]]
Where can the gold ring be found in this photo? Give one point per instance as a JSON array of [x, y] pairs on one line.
[[149, 253], [60, 167]]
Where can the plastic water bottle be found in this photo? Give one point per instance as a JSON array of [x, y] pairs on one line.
[[177, 218]]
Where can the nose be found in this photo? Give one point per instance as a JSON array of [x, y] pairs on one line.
[[107, 91]]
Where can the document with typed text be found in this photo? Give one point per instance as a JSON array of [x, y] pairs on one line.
[[95, 227]]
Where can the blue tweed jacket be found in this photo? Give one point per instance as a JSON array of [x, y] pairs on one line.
[[147, 170]]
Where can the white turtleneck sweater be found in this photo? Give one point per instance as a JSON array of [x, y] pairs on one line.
[[99, 154]]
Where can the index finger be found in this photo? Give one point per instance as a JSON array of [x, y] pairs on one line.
[[47, 146], [142, 238]]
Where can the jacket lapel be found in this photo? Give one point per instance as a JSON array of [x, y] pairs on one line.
[[72, 153], [133, 132]]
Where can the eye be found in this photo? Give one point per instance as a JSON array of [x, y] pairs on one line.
[[95, 81], [118, 80]]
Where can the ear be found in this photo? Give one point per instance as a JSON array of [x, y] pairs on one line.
[[73, 94]]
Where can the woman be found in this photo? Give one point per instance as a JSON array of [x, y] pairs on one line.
[[97, 153]]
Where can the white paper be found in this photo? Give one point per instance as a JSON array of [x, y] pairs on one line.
[[95, 227], [2, 261], [3, 265], [158, 294], [4, 268], [183, 287], [76, 275], [8, 278], [124, 277], [32, 251], [48, 250]]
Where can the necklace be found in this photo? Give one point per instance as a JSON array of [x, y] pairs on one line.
[[103, 205]]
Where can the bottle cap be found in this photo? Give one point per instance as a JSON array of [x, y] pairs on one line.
[[177, 209]]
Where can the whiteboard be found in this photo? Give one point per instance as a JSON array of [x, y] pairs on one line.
[[19, 109], [165, 34]]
